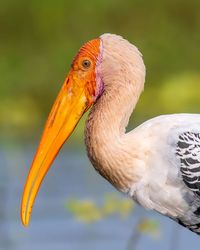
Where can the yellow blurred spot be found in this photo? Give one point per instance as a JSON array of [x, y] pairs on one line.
[[148, 226], [88, 211], [84, 211]]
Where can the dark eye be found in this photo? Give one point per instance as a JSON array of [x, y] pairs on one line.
[[86, 63]]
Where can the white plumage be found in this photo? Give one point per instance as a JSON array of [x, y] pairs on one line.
[[162, 187], [157, 164], [144, 162]]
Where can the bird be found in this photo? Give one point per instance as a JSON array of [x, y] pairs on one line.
[[157, 164]]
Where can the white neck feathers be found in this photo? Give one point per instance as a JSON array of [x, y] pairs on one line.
[[122, 72]]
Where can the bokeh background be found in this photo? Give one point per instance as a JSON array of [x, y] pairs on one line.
[[77, 209]]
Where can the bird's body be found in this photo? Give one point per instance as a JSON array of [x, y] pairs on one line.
[[146, 160], [157, 164]]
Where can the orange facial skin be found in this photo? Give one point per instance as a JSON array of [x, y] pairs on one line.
[[90, 52], [74, 99]]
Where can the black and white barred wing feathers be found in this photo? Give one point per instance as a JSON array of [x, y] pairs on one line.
[[188, 152]]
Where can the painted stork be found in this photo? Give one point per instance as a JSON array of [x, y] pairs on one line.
[[157, 164]]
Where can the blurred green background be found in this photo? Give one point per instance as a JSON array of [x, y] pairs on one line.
[[38, 40]]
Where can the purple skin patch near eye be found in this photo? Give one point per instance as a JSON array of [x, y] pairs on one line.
[[99, 81]]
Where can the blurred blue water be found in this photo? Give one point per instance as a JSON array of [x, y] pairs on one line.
[[52, 227]]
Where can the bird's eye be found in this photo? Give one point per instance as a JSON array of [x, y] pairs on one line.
[[86, 63]]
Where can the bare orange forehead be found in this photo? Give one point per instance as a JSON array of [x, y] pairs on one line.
[[89, 49]]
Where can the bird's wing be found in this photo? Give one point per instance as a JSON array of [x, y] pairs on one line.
[[174, 167], [188, 152]]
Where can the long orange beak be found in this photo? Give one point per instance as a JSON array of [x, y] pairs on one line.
[[67, 110]]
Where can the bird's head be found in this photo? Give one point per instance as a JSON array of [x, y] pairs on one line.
[[84, 84]]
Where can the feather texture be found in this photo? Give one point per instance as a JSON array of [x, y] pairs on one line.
[[156, 164]]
